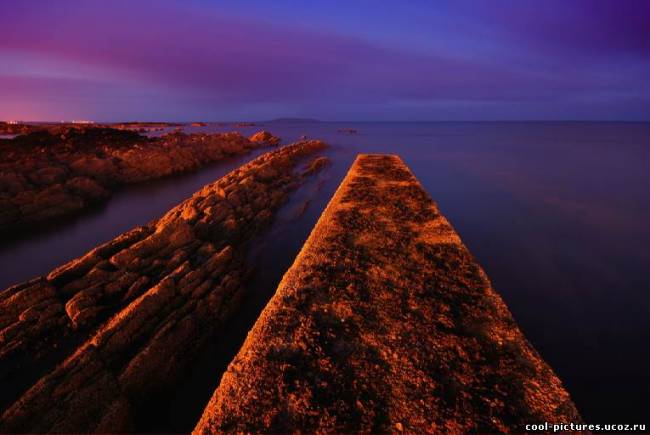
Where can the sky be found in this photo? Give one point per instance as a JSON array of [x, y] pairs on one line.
[[361, 60]]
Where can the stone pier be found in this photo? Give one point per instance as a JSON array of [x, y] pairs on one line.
[[385, 322]]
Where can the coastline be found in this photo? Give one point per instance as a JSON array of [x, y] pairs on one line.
[[51, 174], [127, 318]]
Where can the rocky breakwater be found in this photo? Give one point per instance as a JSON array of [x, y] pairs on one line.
[[385, 323], [100, 335], [59, 171]]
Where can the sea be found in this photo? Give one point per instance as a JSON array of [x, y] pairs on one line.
[[557, 213]]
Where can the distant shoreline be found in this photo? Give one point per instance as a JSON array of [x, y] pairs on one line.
[[6, 123]]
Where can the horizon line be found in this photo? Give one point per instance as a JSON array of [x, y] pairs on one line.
[[313, 120]]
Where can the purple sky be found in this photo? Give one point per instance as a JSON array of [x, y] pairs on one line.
[[334, 60]]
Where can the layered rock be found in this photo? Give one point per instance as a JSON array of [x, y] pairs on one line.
[[265, 137], [61, 170], [131, 314], [385, 322]]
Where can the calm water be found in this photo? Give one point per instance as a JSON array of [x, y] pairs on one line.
[[557, 214]]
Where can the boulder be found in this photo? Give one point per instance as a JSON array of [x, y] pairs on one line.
[[265, 137]]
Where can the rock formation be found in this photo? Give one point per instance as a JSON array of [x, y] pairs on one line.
[[55, 172], [15, 128], [385, 323], [265, 137], [83, 347]]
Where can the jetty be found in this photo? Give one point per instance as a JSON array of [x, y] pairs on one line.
[[385, 322]]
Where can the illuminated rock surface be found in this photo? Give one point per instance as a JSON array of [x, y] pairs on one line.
[[82, 348], [58, 171], [264, 137], [385, 322]]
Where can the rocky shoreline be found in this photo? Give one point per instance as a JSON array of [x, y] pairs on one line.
[[385, 323], [59, 171], [17, 128], [82, 348]]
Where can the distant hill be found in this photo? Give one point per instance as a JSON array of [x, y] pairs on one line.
[[292, 121]]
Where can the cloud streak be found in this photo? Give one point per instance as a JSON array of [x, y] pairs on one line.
[[181, 53]]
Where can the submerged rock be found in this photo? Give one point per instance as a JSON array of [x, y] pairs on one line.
[[316, 165]]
